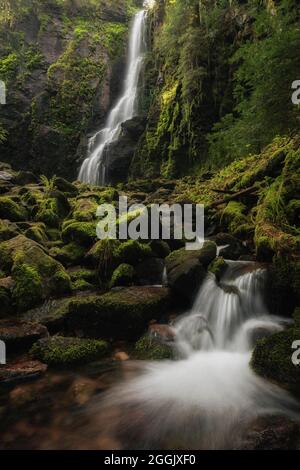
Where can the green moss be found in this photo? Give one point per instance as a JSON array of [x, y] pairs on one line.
[[61, 351], [69, 255], [103, 257], [132, 252], [147, 348], [37, 232], [218, 267], [8, 230], [121, 314], [234, 215], [82, 286], [84, 274], [27, 290], [272, 358], [83, 233], [85, 210], [12, 211], [122, 276], [48, 213]]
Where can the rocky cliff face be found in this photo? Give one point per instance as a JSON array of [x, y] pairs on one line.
[[61, 62]]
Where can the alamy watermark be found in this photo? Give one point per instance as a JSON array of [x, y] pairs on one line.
[[156, 222], [2, 353], [296, 94], [296, 354], [2, 92]]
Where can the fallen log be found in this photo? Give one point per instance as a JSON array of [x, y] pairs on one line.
[[233, 197]]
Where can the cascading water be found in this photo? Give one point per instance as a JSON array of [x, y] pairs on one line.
[[93, 169], [209, 395]]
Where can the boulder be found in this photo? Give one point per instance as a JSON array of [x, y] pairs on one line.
[[148, 348], [122, 276], [8, 230], [9, 209], [61, 351], [187, 269], [123, 313]]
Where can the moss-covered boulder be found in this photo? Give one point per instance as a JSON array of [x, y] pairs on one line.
[[132, 252], [11, 210], [187, 269], [147, 348], [8, 230], [36, 275], [6, 285], [272, 358], [61, 351], [69, 189], [51, 314], [83, 233], [122, 276], [85, 210], [71, 254], [37, 232], [123, 313]]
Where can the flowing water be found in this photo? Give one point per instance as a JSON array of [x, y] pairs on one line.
[[93, 169], [208, 398]]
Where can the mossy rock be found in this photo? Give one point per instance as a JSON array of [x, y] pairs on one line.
[[187, 269], [36, 275], [85, 210], [218, 267], [123, 313], [82, 286], [148, 348], [51, 314], [9, 248], [69, 255], [122, 276], [83, 233], [37, 232], [132, 252], [272, 358], [69, 189], [160, 248], [81, 273], [61, 351], [8, 230], [102, 256], [12, 211]]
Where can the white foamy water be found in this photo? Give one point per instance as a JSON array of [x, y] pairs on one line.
[[93, 169], [207, 397]]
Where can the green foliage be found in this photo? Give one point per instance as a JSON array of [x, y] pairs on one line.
[[27, 290]]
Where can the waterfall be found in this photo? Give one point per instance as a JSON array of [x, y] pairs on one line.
[[93, 169], [208, 396]]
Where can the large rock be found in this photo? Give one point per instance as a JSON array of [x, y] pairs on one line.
[[187, 269], [61, 351], [150, 272], [119, 154], [21, 370], [36, 275], [123, 313]]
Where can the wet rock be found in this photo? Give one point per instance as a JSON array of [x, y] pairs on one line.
[[51, 314], [22, 369], [163, 333], [119, 154], [272, 433], [121, 356], [233, 248], [82, 390], [20, 336]]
